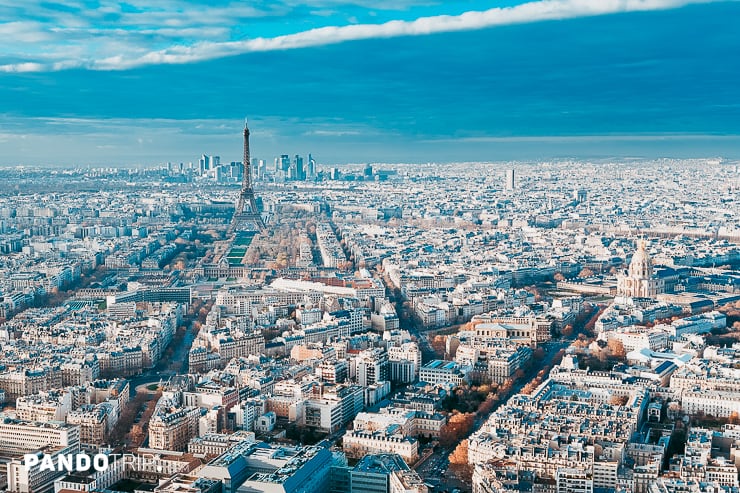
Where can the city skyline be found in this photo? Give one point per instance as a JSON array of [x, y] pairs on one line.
[[117, 85], [370, 246]]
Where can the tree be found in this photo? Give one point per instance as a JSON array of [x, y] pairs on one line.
[[282, 260], [459, 461], [487, 406], [580, 343], [529, 388], [538, 354], [586, 272], [126, 419], [618, 400], [136, 434], [616, 348], [536, 292], [567, 331], [458, 426], [559, 276], [459, 456], [439, 344]]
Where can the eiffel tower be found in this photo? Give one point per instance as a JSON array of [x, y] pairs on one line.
[[246, 216]]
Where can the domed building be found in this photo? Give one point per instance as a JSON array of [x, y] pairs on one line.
[[639, 281]]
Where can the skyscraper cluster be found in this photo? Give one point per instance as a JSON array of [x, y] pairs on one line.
[[295, 169]]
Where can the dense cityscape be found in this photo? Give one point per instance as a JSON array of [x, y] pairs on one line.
[[369, 246], [286, 326]]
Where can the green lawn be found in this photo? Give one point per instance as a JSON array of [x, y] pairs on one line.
[[244, 239]]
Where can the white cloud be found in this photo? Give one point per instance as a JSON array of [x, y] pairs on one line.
[[570, 139], [125, 49], [24, 31], [333, 133], [23, 67]]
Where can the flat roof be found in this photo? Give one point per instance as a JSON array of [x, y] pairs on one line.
[[381, 464]]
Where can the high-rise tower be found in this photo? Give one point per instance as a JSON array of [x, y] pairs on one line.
[[510, 179], [246, 216], [311, 171]]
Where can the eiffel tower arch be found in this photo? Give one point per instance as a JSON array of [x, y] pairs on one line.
[[246, 216]]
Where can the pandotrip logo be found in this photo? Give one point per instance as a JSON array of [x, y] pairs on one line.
[[84, 463]]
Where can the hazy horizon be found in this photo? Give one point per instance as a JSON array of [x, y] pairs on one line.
[[409, 82]]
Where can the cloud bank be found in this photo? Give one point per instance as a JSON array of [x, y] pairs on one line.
[[178, 35]]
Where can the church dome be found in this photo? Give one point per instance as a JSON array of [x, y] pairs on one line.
[[641, 266]]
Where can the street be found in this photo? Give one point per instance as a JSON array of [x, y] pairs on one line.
[[158, 373]]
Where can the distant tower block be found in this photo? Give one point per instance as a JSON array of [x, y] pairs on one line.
[[311, 170], [246, 216], [510, 179]]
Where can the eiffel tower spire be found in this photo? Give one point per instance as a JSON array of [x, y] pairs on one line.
[[246, 216]]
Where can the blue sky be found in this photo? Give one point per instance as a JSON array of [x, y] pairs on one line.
[[100, 83]]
